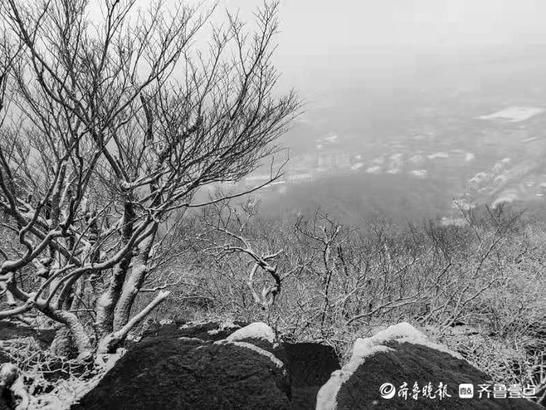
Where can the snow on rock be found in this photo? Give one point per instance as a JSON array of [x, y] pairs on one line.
[[406, 333], [192, 324], [257, 330], [167, 373], [363, 348], [225, 325], [261, 351]]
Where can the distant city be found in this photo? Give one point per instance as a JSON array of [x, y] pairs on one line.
[[495, 159]]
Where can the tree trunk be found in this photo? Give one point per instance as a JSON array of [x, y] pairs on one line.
[[106, 303], [134, 282], [63, 345], [78, 334], [109, 343]]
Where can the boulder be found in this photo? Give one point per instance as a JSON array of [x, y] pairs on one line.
[[184, 366], [6, 399], [257, 331], [260, 335], [381, 367], [13, 393], [166, 372], [309, 366]]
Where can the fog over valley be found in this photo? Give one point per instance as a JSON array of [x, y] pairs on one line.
[[457, 125]]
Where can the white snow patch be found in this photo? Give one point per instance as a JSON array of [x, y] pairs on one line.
[[257, 330], [261, 351], [514, 114], [163, 322], [419, 173], [190, 339], [449, 221], [437, 155], [363, 348], [358, 165], [327, 395], [227, 324], [194, 324], [402, 333], [373, 170]]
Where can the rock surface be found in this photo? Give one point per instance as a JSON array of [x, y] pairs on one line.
[[6, 400], [187, 366], [399, 355], [12, 392], [309, 366], [214, 366], [166, 372]]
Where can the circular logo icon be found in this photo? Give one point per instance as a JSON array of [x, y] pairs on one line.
[[387, 391]]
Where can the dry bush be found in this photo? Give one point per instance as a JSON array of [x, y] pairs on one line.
[[52, 382], [347, 282]]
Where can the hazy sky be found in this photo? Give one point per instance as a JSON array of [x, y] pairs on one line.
[[322, 27], [325, 39], [316, 32], [317, 26]]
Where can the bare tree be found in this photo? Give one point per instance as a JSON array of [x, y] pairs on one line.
[[110, 122], [226, 234]]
